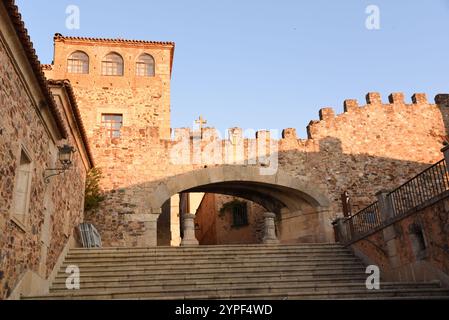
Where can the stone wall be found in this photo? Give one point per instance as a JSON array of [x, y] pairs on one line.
[[216, 227], [35, 243], [367, 148], [143, 101], [408, 256], [364, 150]]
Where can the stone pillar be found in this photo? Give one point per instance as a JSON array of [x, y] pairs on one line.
[[445, 151], [340, 230], [189, 230], [175, 225], [270, 229], [389, 233], [385, 205]]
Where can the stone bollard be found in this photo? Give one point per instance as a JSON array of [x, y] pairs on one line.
[[445, 151], [340, 230], [385, 206], [189, 238], [270, 229]]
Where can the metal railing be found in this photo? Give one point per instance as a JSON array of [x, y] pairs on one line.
[[364, 221], [426, 186], [89, 235]]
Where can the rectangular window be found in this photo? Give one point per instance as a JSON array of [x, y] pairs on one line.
[[22, 188], [240, 215], [113, 123], [144, 69], [110, 68], [77, 66], [141, 69]]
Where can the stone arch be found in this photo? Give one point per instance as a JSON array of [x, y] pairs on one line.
[[298, 197], [226, 174]]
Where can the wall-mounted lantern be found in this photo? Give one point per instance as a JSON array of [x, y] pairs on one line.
[[65, 158]]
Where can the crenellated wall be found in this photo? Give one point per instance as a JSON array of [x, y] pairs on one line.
[[365, 149]]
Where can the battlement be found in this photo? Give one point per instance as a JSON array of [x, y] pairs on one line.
[[367, 118], [373, 100]]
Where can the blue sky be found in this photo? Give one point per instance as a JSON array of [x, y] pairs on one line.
[[266, 64]]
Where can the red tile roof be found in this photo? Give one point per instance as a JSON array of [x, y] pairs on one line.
[[47, 67], [76, 112], [59, 36], [22, 34]]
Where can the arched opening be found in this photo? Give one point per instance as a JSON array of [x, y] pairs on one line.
[[145, 66], [78, 62], [112, 65], [302, 211]]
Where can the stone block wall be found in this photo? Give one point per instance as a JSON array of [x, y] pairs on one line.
[[143, 101], [54, 209], [418, 249], [216, 228], [367, 148], [362, 151]]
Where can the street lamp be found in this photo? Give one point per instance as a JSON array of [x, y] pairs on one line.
[[65, 158]]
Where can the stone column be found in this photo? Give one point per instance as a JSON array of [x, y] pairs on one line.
[[270, 229], [175, 225], [389, 233], [445, 151], [340, 230], [385, 206], [189, 238]]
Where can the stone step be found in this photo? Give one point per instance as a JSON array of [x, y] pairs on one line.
[[220, 247], [211, 263], [163, 286], [311, 271], [252, 292], [207, 250], [214, 270], [228, 274], [205, 253], [177, 258]]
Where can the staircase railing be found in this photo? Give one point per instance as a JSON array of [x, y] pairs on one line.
[[421, 189]]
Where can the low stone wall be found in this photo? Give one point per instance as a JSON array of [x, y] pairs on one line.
[[414, 248]]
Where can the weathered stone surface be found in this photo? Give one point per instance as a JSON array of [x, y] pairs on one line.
[[55, 209], [402, 258], [366, 149], [216, 227]]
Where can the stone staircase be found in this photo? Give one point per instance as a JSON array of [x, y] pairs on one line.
[[309, 271]]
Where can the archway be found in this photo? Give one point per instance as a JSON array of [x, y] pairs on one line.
[[301, 207]]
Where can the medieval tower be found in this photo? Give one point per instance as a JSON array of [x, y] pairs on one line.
[[123, 91]]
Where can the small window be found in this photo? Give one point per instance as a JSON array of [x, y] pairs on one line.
[[22, 188], [113, 124], [145, 66], [78, 62], [112, 65], [240, 215]]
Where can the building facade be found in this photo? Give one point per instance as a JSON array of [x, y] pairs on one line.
[[123, 91], [223, 220], [109, 99], [38, 217]]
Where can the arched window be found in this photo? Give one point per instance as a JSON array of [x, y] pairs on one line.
[[145, 66], [112, 65], [78, 62]]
